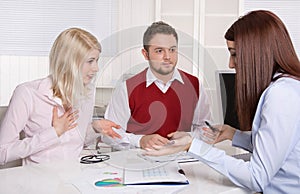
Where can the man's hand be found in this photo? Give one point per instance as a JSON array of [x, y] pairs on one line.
[[65, 122], [105, 127], [149, 141], [180, 138], [181, 141]]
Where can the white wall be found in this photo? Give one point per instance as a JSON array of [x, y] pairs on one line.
[[17, 69]]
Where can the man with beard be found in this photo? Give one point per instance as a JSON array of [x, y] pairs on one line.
[[161, 99]]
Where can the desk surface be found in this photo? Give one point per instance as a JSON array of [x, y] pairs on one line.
[[56, 178]]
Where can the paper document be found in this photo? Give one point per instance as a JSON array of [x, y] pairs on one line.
[[167, 173], [107, 179]]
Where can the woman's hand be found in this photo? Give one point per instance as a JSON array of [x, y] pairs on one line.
[[105, 127], [226, 132], [65, 122]]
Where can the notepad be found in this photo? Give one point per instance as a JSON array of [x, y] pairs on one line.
[[165, 174]]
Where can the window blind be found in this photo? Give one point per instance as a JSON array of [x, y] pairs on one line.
[[29, 27]]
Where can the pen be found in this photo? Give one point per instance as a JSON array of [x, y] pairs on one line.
[[181, 171], [211, 127]]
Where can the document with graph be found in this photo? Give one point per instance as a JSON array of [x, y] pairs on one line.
[[165, 174]]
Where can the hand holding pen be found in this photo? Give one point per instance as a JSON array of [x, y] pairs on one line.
[[210, 134], [211, 127]]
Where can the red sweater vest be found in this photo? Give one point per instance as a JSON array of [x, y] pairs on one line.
[[162, 113]]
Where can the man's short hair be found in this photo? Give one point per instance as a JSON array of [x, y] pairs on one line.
[[159, 27]]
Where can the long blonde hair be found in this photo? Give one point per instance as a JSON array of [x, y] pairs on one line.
[[66, 58]]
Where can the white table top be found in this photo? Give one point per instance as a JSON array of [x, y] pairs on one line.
[[56, 178]]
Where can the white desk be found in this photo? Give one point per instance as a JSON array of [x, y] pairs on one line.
[[55, 178]]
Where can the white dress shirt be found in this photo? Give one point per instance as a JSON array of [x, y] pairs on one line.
[[274, 166], [118, 109]]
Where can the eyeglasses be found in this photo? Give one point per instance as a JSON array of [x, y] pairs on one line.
[[91, 159]]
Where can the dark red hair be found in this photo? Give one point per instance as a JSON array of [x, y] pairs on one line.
[[263, 47]]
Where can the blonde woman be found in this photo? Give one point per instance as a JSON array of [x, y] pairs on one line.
[[55, 112]]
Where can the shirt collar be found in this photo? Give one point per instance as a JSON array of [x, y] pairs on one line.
[[150, 77]]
